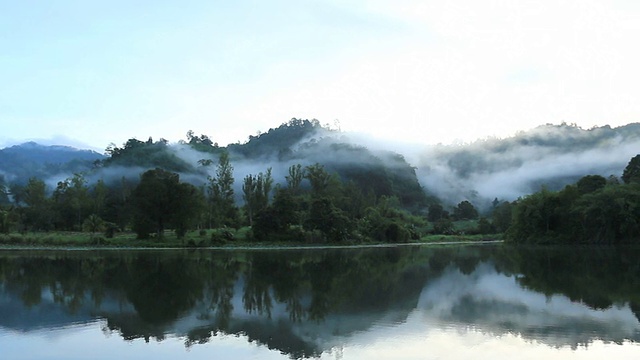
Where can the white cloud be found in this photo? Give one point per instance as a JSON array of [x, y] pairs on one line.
[[475, 71], [406, 70]]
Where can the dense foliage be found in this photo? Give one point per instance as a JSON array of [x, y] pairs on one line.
[[333, 191], [324, 189], [269, 296], [593, 210], [20, 162], [315, 206]]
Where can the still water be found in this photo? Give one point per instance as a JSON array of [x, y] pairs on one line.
[[412, 302]]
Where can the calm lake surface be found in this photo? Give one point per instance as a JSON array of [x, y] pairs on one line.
[[409, 302]]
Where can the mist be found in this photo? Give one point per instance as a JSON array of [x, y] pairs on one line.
[[496, 303], [520, 171], [552, 156]]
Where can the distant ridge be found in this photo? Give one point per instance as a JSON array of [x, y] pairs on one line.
[[505, 168], [30, 159]]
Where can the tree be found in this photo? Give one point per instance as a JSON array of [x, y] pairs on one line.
[[256, 190], [71, 201], [444, 226], [329, 220], [319, 179], [93, 223], [4, 192], [501, 217], [188, 208], [201, 143], [222, 207], [465, 211], [533, 218], [5, 222], [99, 194], [436, 212], [631, 173], [484, 226], [611, 215], [295, 177], [79, 196], [249, 195], [161, 200], [275, 220], [591, 183], [38, 214]]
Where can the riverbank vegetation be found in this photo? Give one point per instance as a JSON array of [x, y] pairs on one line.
[[216, 238], [353, 197], [595, 210], [350, 196]]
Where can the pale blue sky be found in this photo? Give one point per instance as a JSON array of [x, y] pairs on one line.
[[405, 70]]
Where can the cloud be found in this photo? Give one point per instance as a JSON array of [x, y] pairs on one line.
[[496, 303], [552, 155]]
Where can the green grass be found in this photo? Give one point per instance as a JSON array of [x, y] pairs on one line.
[[465, 226], [458, 238], [198, 238]]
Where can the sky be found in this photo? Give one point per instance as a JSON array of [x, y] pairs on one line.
[[413, 71]]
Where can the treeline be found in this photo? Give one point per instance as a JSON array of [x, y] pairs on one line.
[[311, 204], [595, 210], [143, 294]]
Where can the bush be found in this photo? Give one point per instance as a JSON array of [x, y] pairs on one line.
[[314, 237], [221, 236], [97, 240], [485, 227], [110, 230], [443, 227]]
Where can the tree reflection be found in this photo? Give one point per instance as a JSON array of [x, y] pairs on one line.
[[598, 277], [274, 297]]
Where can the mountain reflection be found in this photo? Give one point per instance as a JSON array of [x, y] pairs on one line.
[[304, 302]]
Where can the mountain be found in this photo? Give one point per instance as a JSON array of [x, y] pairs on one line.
[[20, 162], [305, 142], [549, 155]]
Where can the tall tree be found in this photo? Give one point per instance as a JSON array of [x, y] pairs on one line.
[[256, 190], [71, 200], [4, 192], [99, 194], [38, 214], [160, 200], [631, 173], [222, 209], [465, 211], [319, 179], [295, 177], [590, 183]]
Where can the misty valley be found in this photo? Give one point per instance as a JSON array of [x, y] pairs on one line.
[[304, 183], [324, 179], [385, 302], [305, 243]]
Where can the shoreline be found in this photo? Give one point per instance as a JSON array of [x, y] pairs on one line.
[[6, 247]]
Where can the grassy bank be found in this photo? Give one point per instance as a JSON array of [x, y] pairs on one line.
[[193, 239]]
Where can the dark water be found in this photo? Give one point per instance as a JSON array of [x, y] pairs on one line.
[[453, 302]]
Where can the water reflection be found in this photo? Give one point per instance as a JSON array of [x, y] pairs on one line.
[[308, 303]]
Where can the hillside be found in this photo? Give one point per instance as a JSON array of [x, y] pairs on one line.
[[20, 162], [302, 142], [549, 155]]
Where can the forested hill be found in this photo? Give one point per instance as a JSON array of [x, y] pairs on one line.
[[549, 155], [20, 162], [304, 142]]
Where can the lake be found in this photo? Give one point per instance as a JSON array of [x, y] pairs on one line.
[[409, 302]]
